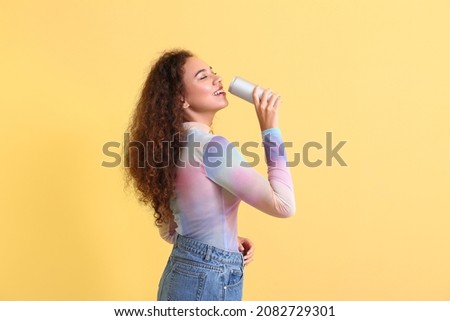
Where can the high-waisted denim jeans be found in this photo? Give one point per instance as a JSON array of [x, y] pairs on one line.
[[197, 271]]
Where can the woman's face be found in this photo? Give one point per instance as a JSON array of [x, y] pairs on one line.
[[203, 87]]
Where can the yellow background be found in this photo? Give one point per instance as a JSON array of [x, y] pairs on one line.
[[374, 73]]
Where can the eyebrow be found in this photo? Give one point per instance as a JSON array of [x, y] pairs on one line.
[[201, 70]]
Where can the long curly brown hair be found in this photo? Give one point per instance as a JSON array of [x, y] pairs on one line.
[[156, 134]]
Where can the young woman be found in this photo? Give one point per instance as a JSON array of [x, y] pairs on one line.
[[195, 180]]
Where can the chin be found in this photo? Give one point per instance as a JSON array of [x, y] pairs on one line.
[[223, 106], [220, 106]]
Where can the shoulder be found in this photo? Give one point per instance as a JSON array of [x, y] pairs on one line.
[[220, 151], [217, 143], [209, 146], [196, 136], [217, 139]]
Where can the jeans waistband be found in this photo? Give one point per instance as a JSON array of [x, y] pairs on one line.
[[208, 252]]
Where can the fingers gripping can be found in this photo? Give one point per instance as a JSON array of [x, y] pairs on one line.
[[244, 89]]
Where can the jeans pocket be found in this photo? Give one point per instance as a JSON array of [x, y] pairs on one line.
[[186, 283], [233, 290], [236, 277]]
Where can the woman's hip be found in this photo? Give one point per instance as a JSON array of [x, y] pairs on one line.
[[199, 272]]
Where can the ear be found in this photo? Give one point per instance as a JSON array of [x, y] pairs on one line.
[[185, 103]]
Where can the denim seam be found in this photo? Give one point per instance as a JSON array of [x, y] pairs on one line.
[[178, 260]]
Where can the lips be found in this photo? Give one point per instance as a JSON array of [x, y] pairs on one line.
[[219, 92]]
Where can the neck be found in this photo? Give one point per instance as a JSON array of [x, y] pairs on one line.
[[203, 118]]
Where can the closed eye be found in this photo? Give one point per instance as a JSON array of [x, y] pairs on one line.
[[204, 75]]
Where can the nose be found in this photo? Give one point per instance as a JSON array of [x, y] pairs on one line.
[[217, 79]]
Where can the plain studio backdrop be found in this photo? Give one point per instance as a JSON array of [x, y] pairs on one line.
[[375, 74]]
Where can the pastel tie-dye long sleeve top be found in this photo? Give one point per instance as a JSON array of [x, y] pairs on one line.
[[213, 178]]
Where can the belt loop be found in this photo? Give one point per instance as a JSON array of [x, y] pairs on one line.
[[208, 253], [175, 243]]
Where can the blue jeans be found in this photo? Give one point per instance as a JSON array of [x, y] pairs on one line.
[[197, 271]]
